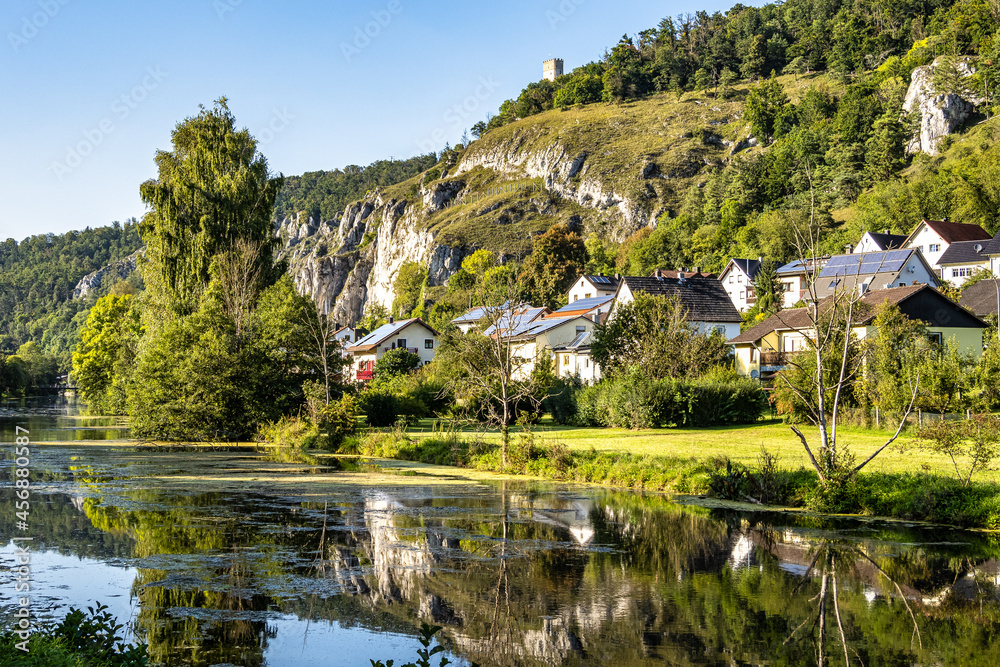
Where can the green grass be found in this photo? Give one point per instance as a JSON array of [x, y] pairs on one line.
[[740, 443]]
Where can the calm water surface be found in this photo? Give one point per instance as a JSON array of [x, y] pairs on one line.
[[222, 558]]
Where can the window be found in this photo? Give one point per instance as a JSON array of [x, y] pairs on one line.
[[743, 294], [565, 360], [934, 247], [731, 281], [935, 338], [587, 295], [576, 297], [902, 284], [961, 272], [428, 343], [586, 363], [400, 342], [920, 249], [720, 329], [786, 287], [426, 362], [581, 329]]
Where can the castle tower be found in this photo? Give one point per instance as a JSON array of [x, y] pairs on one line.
[[552, 68]]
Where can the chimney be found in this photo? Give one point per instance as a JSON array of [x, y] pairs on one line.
[[695, 269], [760, 259], [391, 319], [885, 231], [336, 326], [848, 249], [944, 219]]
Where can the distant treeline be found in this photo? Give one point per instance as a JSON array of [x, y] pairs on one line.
[[324, 194], [37, 277]]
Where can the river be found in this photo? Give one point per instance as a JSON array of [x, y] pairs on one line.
[[219, 557]]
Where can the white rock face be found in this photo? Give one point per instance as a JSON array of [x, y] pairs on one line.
[[564, 174], [120, 270], [940, 115]]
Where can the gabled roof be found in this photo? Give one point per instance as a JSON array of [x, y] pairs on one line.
[[981, 298], [385, 332], [670, 273], [705, 299], [951, 232], [798, 266], [747, 266], [582, 306], [965, 252], [886, 241], [538, 327], [470, 316], [876, 269], [606, 283], [579, 344], [920, 302], [516, 320]]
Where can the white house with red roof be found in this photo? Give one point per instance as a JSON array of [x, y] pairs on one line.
[[933, 237], [413, 335]]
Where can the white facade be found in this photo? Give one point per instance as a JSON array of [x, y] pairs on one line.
[[738, 286], [792, 290], [929, 243], [530, 345], [413, 335], [588, 287], [957, 274], [579, 363]]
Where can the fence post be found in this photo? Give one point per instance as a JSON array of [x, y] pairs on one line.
[[877, 424], [920, 417]]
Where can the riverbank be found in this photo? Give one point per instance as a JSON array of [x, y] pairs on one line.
[[726, 463]]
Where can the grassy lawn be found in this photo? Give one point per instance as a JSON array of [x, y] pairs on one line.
[[740, 443]]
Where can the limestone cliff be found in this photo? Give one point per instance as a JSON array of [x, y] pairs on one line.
[[119, 270], [939, 114]]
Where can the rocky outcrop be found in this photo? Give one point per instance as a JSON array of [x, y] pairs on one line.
[[347, 264], [120, 270], [940, 114], [565, 174]]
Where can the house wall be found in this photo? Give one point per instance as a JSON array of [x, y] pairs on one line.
[[866, 244], [584, 289], [968, 339], [737, 284], [957, 274], [923, 240], [415, 336], [793, 287]]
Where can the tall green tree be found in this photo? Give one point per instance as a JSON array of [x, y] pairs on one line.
[[103, 358], [558, 257], [766, 103], [212, 189]]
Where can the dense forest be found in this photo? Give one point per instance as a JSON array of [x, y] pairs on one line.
[[323, 195], [37, 277]]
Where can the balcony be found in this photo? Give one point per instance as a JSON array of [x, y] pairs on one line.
[[773, 360], [364, 376], [412, 350]]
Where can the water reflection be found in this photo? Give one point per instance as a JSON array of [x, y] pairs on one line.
[[518, 573]]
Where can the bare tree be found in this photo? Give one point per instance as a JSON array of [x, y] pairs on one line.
[[326, 352], [239, 274], [833, 348], [492, 368]]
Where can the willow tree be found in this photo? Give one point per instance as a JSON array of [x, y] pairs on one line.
[[212, 191]]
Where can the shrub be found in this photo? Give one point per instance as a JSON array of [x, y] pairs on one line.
[[338, 419], [379, 407], [291, 439], [79, 639], [561, 400]]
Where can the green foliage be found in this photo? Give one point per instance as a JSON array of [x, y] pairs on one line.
[[766, 108], [635, 401], [891, 357], [102, 361], [339, 420], [37, 278], [409, 288], [81, 639], [424, 654], [975, 441], [557, 258], [212, 189], [381, 407], [290, 439], [652, 333], [323, 195], [397, 361]]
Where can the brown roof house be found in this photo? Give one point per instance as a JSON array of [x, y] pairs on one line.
[[766, 347], [933, 237], [708, 306]]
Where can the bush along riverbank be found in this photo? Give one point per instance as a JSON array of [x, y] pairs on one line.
[[908, 496]]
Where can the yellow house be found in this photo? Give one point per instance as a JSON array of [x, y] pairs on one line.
[[765, 348]]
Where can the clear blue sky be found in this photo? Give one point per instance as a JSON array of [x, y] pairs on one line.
[[92, 88]]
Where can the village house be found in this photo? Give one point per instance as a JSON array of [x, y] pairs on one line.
[[574, 358], [413, 335], [983, 298], [873, 271], [963, 259], [766, 348], [346, 336], [877, 242], [588, 287], [794, 278], [738, 281], [705, 301], [933, 237], [531, 340]]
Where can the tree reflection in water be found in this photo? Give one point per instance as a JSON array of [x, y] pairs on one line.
[[530, 575]]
